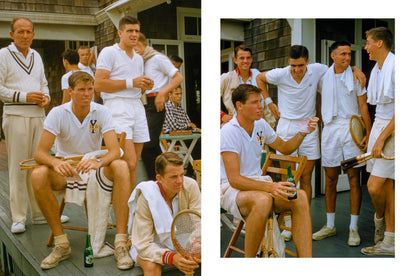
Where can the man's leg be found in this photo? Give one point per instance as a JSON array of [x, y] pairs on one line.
[[331, 180], [44, 182], [118, 172], [355, 201], [383, 197], [149, 268], [130, 156], [306, 179], [301, 222], [255, 206]]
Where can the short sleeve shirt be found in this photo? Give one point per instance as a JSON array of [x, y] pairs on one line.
[[234, 138], [121, 67], [297, 101], [73, 137], [160, 69]]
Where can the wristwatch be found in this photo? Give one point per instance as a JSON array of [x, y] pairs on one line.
[[100, 161]]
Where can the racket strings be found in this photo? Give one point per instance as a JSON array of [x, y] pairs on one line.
[[188, 234]]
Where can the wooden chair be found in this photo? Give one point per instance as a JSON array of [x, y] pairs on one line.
[[272, 167], [121, 140]]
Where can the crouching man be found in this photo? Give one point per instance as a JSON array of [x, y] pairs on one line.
[[78, 128], [153, 205], [242, 141]]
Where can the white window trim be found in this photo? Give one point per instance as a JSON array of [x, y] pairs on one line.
[[181, 14]]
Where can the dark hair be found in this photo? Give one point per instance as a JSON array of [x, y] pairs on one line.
[[242, 92], [176, 59], [18, 18], [298, 51], [79, 76], [71, 56], [242, 47], [381, 33], [127, 20], [167, 158], [336, 44]]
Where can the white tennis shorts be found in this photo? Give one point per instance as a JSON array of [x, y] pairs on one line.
[[309, 147], [228, 195], [379, 166], [129, 117], [337, 144]]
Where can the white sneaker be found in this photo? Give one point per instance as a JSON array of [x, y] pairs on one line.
[[325, 232], [379, 249], [286, 235], [42, 220], [354, 239], [18, 227]]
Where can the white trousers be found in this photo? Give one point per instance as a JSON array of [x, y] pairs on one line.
[[22, 137]]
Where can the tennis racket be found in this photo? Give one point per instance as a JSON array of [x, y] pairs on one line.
[[358, 130], [388, 152], [186, 233], [32, 164]]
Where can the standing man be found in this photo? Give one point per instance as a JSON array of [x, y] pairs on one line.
[[24, 91], [244, 192], [381, 92], [242, 74], [120, 80], [297, 87], [153, 205], [166, 77], [78, 128], [85, 59], [341, 99]]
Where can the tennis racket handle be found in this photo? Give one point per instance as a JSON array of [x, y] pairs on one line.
[[349, 163]]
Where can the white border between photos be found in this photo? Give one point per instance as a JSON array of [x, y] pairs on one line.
[[212, 11]]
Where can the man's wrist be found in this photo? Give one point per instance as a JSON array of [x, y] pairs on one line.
[[129, 83], [100, 161], [302, 134], [268, 100]]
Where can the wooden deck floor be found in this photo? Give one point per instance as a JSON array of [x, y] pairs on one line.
[[22, 253]]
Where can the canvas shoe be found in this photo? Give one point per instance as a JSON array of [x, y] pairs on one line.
[[354, 239], [379, 249], [59, 253], [122, 257], [286, 235], [18, 227], [324, 233], [42, 220]]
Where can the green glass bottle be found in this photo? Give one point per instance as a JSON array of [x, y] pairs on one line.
[[88, 254], [290, 179]]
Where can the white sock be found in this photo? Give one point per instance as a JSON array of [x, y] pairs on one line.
[[330, 220], [389, 239], [354, 222]]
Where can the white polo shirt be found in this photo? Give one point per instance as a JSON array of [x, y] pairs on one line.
[[121, 67], [73, 137], [234, 138], [296, 101], [160, 69]]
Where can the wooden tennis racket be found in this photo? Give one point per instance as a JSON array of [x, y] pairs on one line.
[[388, 152], [32, 164], [358, 130], [186, 233]]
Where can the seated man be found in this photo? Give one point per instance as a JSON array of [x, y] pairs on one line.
[[242, 140], [153, 206], [78, 128], [176, 117]]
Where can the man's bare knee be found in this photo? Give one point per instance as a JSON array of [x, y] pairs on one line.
[[301, 201], [39, 177]]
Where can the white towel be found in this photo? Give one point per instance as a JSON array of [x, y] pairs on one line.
[[98, 196], [329, 99], [160, 211], [385, 93], [76, 186]]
